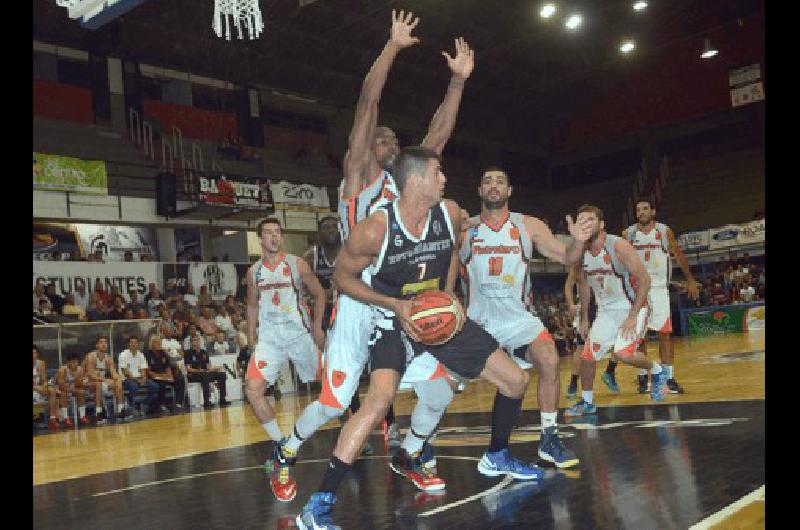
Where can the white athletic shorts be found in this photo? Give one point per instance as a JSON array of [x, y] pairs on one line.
[[268, 359], [660, 315], [346, 351], [604, 335]]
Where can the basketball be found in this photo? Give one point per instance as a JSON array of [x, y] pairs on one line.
[[438, 314]]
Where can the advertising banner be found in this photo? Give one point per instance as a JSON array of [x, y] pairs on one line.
[[67, 275], [752, 232], [756, 318], [290, 195], [62, 173], [234, 190], [746, 85], [723, 237], [220, 279], [729, 319], [694, 241], [113, 241], [54, 241]]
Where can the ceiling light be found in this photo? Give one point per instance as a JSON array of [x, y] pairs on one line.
[[627, 46], [573, 21], [708, 50], [639, 6], [547, 11]]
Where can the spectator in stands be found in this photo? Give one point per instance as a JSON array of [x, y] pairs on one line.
[[727, 277], [224, 323], [38, 297], [71, 380], [145, 257], [129, 314], [71, 309], [56, 300], [230, 305], [191, 332], [133, 366], [705, 294], [220, 345], [243, 358], [127, 256], [81, 298], [104, 379], [162, 372], [154, 304], [135, 304], [189, 297], [207, 324], [196, 360], [44, 394], [97, 310], [45, 309], [98, 256], [718, 295], [105, 296], [747, 292], [118, 310], [142, 314]]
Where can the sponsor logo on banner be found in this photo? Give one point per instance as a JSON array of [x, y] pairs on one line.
[[113, 241], [290, 195], [62, 173], [746, 85], [723, 237], [220, 279], [756, 318], [51, 239], [68, 275], [752, 232], [232, 190], [694, 240]]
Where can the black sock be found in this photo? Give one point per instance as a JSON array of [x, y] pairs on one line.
[[573, 381], [355, 403], [504, 415], [390, 415], [334, 474], [612, 365]]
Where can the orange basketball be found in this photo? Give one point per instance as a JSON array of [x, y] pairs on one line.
[[439, 316]]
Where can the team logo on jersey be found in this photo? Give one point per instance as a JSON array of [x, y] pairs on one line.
[[261, 365], [286, 270], [398, 241], [437, 227], [607, 258], [508, 279], [514, 232], [658, 235], [595, 347], [337, 378]]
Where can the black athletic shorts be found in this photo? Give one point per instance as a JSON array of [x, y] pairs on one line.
[[465, 354]]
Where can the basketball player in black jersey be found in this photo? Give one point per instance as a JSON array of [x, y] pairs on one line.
[[322, 258], [406, 247]]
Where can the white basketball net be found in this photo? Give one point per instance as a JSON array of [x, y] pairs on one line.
[[246, 18]]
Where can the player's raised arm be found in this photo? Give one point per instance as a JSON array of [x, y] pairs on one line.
[[569, 286], [455, 213], [692, 287], [356, 160], [316, 290], [444, 120], [252, 307], [358, 252], [551, 248]]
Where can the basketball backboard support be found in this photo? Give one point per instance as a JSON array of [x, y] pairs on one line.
[[94, 13]]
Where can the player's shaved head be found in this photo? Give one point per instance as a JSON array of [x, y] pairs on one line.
[[412, 160]]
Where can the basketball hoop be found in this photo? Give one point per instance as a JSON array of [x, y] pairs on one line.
[[246, 18]]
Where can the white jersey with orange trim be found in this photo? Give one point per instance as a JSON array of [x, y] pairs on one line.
[[495, 260], [609, 278], [282, 312], [653, 248], [382, 190]]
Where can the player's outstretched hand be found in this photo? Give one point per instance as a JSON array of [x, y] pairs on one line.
[[402, 26], [582, 230], [692, 289], [628, 328], [462, 64]]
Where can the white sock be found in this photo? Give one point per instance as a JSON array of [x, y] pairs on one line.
[[272, 429], [668, 370], [98, 411], [412, 443], [120, 406], [549, 419], [63, 413], [82, 411], [642, 371], [588, 396], [656, 369]]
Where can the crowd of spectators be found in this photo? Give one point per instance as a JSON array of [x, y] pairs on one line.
[[733, 281]]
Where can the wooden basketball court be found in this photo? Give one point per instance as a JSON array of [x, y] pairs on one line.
[[694, 460]]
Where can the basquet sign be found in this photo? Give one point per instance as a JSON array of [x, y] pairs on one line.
[[230, 190], [62, 173]]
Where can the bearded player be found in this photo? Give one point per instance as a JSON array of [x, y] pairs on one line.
[[655, 242]]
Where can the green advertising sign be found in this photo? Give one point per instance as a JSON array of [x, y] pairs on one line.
[[61, 173], [722, 320]]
